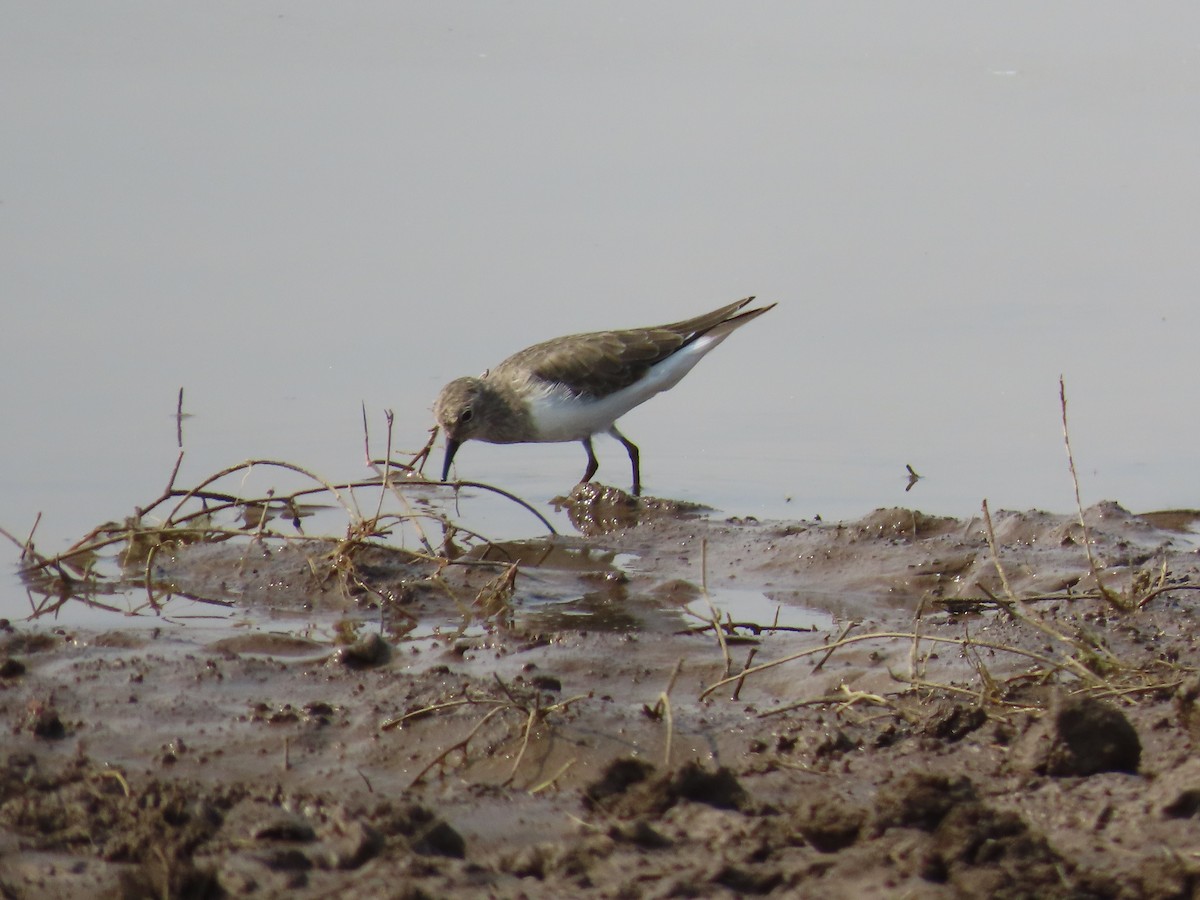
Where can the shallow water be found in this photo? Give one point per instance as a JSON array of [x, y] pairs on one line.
[[294, 213]]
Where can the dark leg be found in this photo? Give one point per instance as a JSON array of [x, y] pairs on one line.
[[634, 457], [592, 465]]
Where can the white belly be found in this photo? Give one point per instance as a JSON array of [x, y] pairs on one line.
[[559, 415]]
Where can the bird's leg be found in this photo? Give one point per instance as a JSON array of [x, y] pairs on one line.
[[634, 458], [592, 465]]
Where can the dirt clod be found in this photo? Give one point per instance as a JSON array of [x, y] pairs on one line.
[[1079, 736], [620, 775], [369, 650], [652, 796], [954, 721], [828, 823], [920, 800], [983, 852], [42, 720]]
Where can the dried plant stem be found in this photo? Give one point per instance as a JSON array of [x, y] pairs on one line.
[[991, 540], [896, 635], [737, 691], [820, 663], [914, 652], [1166, 589], [249, 464], [457, 745], [424, 711], [1112, 597], [664, 706], [729, 626], [390, 485], [1018, 610], [844, 698], [178, 517], [506, 495], [559, 773], [530, 719], [715, 615]]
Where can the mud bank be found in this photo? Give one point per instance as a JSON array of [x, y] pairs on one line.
[[914, 706]]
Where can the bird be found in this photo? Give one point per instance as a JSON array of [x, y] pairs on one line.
[[573, 387]]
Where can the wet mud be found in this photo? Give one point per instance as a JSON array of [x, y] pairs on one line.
[[916, 706]]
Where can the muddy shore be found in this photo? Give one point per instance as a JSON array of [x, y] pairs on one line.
[[959, 714]]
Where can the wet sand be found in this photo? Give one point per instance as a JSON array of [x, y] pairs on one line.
[[978, 729]]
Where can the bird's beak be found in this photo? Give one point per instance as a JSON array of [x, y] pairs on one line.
[[451, 448]]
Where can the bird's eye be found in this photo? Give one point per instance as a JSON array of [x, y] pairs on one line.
[[466, 415]]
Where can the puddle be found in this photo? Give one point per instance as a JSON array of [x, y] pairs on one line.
[[747, 606]]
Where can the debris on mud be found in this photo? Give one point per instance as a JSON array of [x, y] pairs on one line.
[[997, 706], [596, 509]]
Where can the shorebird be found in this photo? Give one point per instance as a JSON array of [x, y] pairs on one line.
[[573, 387]]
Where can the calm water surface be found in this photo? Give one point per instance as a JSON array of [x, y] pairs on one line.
[[292, 210]]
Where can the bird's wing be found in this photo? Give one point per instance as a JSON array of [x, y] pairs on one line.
[[603, 362], [594, 364]]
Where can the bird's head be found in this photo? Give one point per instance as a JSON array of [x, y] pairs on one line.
[[456, 411]]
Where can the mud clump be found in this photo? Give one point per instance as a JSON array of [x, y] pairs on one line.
[[983, 852], [90, 811], [920, 801], [423, 830], [1079, 736], [828, 823], [596, 509], [900, 524], [619, 777], [42, 720], [369, 650], [1186, 697], [954, 721], [181, 838], [977, 850], [628, 789]]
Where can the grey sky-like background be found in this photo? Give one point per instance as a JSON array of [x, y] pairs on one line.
[[291, 209]]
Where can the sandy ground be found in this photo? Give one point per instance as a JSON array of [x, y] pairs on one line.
[[588, 735]]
